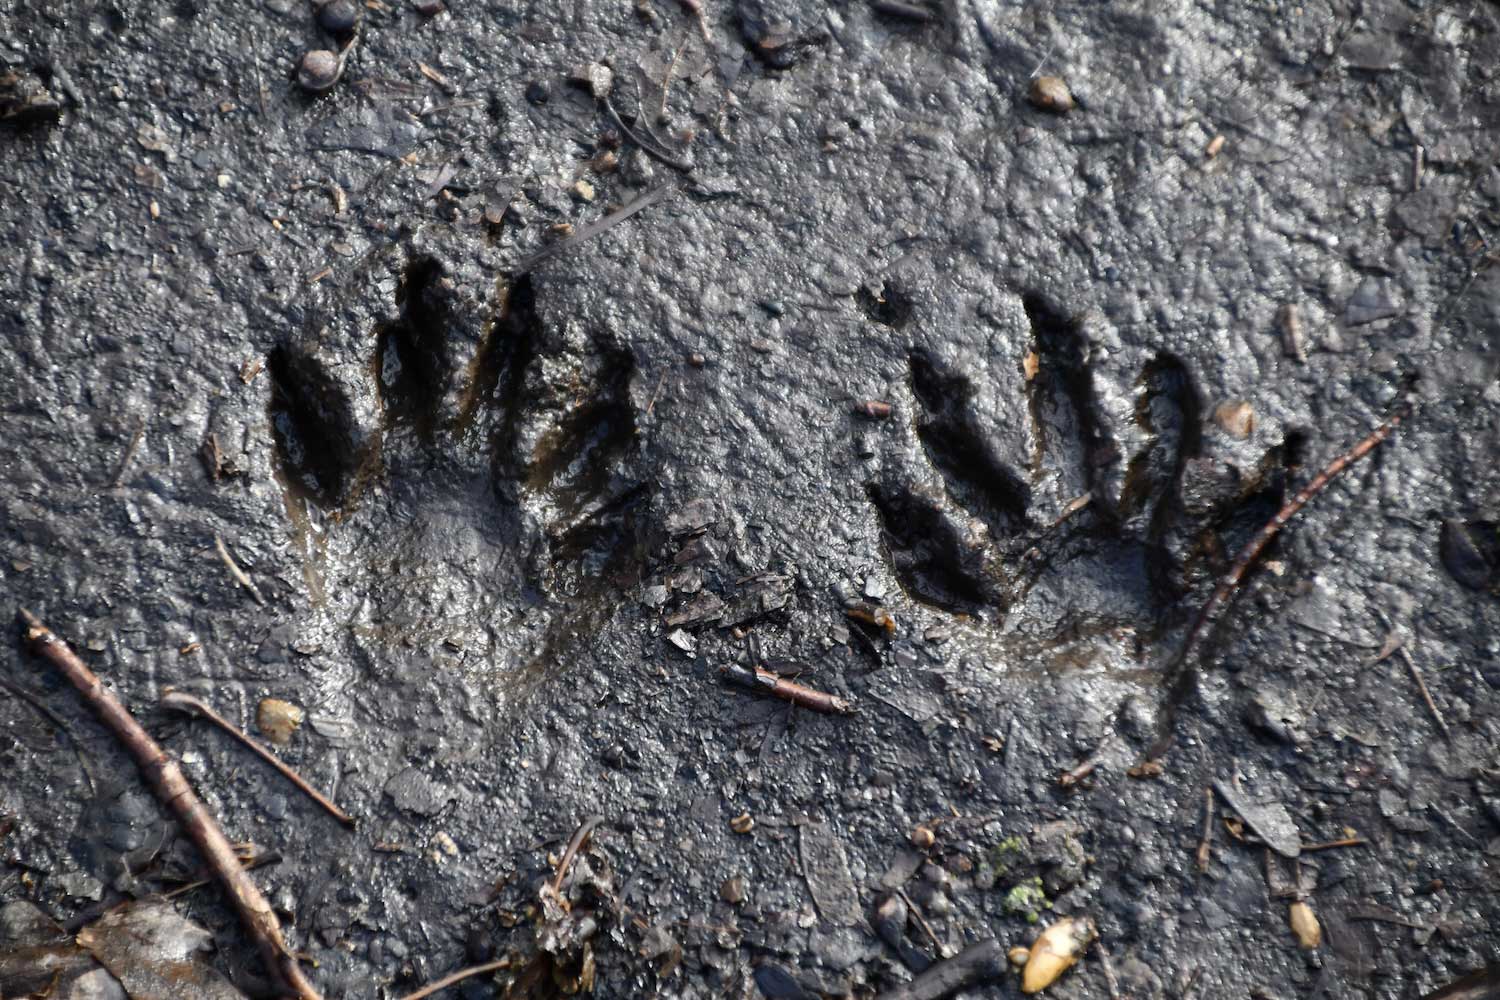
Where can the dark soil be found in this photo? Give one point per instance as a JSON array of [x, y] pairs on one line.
[[510, 515]]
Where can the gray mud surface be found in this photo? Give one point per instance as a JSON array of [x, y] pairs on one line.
[[509, 518]]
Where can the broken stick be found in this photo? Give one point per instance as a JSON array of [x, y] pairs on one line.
[[1179, 674], [186, 703], [757, 679], [172, 789], [975, 964]]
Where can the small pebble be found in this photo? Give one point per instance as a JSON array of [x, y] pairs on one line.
[[733, 890], [428, 8], [697, 360], [338, 17], [318, 70], [922, 837], [278, 719], [1236, 418], [1051, 93], [537, 92], [743, 823], [1305, 926]]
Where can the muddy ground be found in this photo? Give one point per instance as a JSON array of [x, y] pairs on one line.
[[509, 517]]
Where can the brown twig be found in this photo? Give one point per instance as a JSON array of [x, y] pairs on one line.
[[1271, 528], [1329, 845], [765, 681], [580, 837], [1206, 843], [240, 576], [1179, 674], [458, 977], [916, 914], [1086, 767], [1416, 676], [173, 791], [181, 701]]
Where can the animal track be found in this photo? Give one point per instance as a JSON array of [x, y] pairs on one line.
[[461, 464], [970, 530]]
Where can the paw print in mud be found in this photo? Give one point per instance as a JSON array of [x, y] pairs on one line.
[[455, 466], [1017, 496]]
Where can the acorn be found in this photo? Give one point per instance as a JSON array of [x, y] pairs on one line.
[[338, 17], [1051, 93], [319, 69], [1056, 950]]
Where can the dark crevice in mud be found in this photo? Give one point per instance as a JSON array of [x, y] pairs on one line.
[[410, 351], [957, 448], [499, 379], [576, 461], [605, 551], [890, 308], [1061, 395], [1171, 411], [311, 422], [930, 560]]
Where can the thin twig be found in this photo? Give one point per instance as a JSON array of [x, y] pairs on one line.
[[660, 155], [656, 392], [1179, 673], [666, 80], [1329, 845], [580, 836], [458, 977], [1111, 981], [181, 701], [1206, 843], [173, 791], [240, 576], [130, 449], [250, 863], [765, 681], [916, 914], [1416, 676], [594, 228], [1086, 767], [1272, 528]]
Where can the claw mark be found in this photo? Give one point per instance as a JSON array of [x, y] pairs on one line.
[[311, 422], [960, 451], [1062, 394], [933, 561], [412, 363]]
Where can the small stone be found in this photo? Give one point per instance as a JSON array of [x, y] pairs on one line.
[[537, 92], [278, 719], [583, 190], [743, 823], [683, 641], [319, 70], [1051, 93], [338, 17], [1305, 926], [874, 588], [428, 8], [445, 844], [733, 890], [1236, 418], [1018, 956], [922, 837]]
